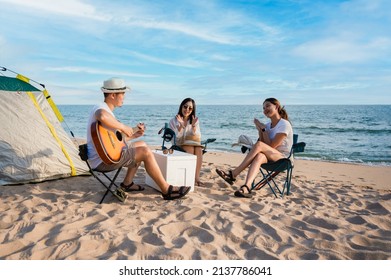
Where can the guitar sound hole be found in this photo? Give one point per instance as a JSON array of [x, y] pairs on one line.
[[119, 135]]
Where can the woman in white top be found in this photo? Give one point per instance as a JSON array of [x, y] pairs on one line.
[[274, 143], [188, 134]]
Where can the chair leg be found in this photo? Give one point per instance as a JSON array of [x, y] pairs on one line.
[[264, 181], [288, 190], [103, 197], [108, 188], [269, 178], [287, 183], [121, 197]]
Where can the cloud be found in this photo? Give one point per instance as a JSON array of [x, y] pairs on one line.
[[187, 63], [233, 28], [66, 8], [339, 50], [199, 31], [74, 69]]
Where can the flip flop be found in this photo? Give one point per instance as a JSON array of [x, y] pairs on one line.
[[128, 188], [241, 193], [228, 177]]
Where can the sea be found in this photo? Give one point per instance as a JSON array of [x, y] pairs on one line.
[[358, 134]]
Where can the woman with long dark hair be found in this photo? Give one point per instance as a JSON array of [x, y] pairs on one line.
[[188, 134]]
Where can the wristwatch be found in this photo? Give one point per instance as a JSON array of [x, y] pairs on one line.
[[263, 129]]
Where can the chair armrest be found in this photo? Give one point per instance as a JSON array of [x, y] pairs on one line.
[[298, 147], [209, 140], [83, 152]]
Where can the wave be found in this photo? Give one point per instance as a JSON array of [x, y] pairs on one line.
[[346, 160], [360, 130]]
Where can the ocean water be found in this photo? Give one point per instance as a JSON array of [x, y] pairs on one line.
[[343, 133]]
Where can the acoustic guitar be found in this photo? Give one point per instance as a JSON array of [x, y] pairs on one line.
[[108, 143]]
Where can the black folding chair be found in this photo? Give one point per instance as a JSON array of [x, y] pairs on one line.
[[206, 142], [272, 169], [169, 136], [117, 191]]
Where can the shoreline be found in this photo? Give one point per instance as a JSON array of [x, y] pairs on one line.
[[384, 164], [77, 141]]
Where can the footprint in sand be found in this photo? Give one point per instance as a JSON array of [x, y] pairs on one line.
[[149, 237], [20, 229], [65, 250], [202, 234]]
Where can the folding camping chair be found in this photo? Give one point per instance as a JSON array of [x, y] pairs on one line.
[[169, 136], [272, 169], [117, 192]]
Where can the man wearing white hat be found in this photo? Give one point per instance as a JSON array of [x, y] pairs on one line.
[[134, 152]]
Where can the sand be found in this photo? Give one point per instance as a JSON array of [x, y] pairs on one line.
[[335, 211]]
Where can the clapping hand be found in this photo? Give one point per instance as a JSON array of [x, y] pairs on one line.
[[259, 125], [180, 120], [194, 121]]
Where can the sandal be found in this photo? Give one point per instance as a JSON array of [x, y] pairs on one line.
[[128, 188], [120, 194], [241, 193], [175, 194], [228, 177]]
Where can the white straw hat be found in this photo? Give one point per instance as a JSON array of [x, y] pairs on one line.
[[245, 141], [114, 85]]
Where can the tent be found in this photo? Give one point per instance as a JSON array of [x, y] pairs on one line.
[[33, 144]]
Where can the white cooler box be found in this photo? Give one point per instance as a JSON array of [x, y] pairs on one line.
[[177, 168]]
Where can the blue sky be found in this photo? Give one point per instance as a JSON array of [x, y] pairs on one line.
[[217, 52]]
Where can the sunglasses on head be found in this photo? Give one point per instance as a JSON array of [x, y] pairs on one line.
[[187, 107]]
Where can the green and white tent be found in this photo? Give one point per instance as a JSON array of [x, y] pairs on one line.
[[33, 144]]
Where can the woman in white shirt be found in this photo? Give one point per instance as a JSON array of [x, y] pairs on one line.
[[188, 134], [274, 142]]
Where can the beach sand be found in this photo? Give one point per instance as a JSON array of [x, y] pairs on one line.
[[335, 211]]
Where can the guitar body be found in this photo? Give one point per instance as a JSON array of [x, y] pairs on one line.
[[108, 143]]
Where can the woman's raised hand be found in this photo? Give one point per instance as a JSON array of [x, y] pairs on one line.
[[180, 121], [195, 120]]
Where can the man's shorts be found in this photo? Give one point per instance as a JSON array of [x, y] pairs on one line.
[[126, 160]]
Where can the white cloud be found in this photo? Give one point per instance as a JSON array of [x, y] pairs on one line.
[[340, 50], [199, 31], [74, 69], [208, 29], [67, 8], [188, 63]]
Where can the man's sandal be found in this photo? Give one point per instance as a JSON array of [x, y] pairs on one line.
[[241, 193], [228, 177], [175, 194], [128, 188], [120, 194]]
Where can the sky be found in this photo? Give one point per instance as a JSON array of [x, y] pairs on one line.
[[215, 51]]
